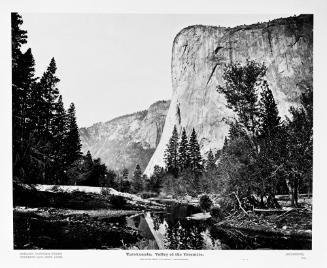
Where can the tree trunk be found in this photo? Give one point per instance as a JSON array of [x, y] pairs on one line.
[[296, 191], [290, 191]]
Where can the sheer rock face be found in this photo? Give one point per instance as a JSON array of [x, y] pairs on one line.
[[198, 57], [128, 140]]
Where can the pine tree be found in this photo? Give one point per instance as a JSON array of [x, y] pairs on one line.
[[36, 111], [183, 152], [59, 127], [25, 81], [98, 175], [125, 184], [50, 92], [225, 144], [137, 179], [72, 141], [125, 174], [155, 181], [88, 162], [298, 156], [43, 115], [59, 132], [171, 154], [18, 38], [25, 155], [269, 118], [195, 155], [210, 163]]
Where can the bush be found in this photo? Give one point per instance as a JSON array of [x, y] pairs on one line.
[[227, 205], [217, 213], [146, 195], [117, 201], [205, 203]]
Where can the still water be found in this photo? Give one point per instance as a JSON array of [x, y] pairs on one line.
[[173, 230]]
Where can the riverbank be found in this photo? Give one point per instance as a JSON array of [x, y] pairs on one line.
[[76, 217], [58, 229], [291, 229], [80, 217]]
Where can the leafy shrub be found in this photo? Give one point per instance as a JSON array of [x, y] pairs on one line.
[[227, 205], [117, 201], [146, 195], [216, 212], [205, 203]]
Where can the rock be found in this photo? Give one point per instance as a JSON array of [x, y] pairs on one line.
[[198, 57], [127, 140], [199, 216]]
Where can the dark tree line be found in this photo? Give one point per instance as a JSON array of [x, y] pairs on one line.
[[46, 143], [184, 165], [183, 154], [45, 136]]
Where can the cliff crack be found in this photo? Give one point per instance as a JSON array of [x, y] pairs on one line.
[[297, 39], [178, 113], [185, 47], [212, 72]]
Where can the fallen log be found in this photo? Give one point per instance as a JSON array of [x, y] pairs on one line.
[[269, 211]]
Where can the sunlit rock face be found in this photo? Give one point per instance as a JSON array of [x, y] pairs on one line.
[[128, 140], [199, 54]]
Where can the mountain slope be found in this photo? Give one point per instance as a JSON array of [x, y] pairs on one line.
[[127, 140]]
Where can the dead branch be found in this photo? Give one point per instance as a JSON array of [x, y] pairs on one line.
[[239, 204]]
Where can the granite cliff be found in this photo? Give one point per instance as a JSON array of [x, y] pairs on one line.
[[127, 140], [199, 54]]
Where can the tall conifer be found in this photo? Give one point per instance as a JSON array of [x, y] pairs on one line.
[[137, 179], [210, 163], [171, 154], [183, 152], [72, 141], [195, 155], [269, 118]]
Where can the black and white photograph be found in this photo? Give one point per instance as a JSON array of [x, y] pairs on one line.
[[163, 137], [108, 154]]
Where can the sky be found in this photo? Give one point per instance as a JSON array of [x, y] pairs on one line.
[[114, 64]]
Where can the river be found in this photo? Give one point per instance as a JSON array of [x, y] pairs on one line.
[[173, 229]]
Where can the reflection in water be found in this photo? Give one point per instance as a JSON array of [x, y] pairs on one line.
[[172, 230], [182, 233], [158, 219], [185, 234]]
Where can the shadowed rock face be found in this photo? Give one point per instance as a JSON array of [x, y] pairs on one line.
[[128, 140], [198, 57]]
